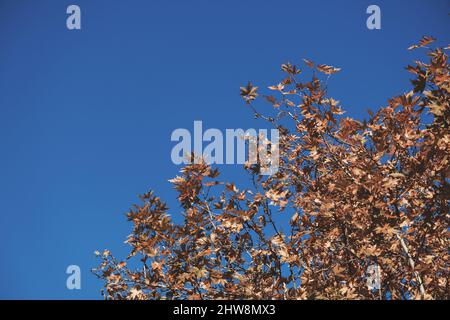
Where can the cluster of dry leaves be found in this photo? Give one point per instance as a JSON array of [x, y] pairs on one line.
[[351, 194]]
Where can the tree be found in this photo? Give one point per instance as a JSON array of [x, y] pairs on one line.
[[355, 194]]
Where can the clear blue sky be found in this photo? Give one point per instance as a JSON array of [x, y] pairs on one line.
[[86, 116]]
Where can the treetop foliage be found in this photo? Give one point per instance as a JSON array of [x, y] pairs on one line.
[[352, 194]]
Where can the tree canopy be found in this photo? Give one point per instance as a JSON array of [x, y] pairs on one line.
[[352, 193]]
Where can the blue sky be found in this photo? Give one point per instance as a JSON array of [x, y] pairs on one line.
[[86, 116]]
